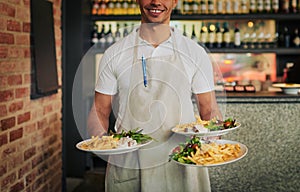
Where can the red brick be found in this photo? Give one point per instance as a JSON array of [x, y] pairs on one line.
[[26, 2], [15, 134], [26, 27], [22, 39], [8, 151], [3, 110], [6, 38], [48, 109], [30, 178], [14, 80], [42, 123], [27, 78], [22, 92], [7, 123], [13, 26], [3, 52], [15, 52], [14, 161], [37, 184], [17, 187], [7, 66], [2, 24], [36, 161], [8, 180], [6, 95], [24, 170], [16, 106], [23, 117], [27, 53], [30, 128], [16, 2], [3, 169], [3, 140], [29, 153], [7, 10]]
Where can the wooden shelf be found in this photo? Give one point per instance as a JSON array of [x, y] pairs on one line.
[[258, 16]]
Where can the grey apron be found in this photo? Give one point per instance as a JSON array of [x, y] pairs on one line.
[[157, 108]]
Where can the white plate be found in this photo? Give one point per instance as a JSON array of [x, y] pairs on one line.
[[205, 134], [243, 153], [287, 88], [112, 151]]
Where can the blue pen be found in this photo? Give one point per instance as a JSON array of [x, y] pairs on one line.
[[144, 71]]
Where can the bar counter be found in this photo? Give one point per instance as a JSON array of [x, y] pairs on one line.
[[270, 128]]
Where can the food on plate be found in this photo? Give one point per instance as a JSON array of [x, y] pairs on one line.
[[197, 153], [116, 140], [204, 126]]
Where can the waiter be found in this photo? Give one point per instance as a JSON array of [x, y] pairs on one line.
[[151, 76]]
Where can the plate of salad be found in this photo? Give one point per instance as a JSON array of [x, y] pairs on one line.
[[115, 143], [213, 127], [199, 153]]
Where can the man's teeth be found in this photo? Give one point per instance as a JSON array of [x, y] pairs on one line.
[[155, 11]]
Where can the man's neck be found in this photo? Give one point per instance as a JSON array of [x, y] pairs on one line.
[[155, 34]]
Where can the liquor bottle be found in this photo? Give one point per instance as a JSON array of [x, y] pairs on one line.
[[101, 37], [118, 7], [184, 30], [260, 6], [95, 34], [287, 37], [109, 37], [203, 8], [275, 6], [237, 36], [226, 36], [284, 6], [244, 6], [110, 7], [117, 33], [267, 6], [236, 7], [296, 38], [211, 6], [186, 7], [194, 36], [219, 36], [194, 7], [131, 7], [211, 35], [103, 8], [125, 6], [95, 7], [293, 6], [252, 6], [220, 7], [228, 7], [125, 31], [203, 35]]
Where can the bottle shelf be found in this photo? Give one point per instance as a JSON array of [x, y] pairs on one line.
[[256, 16]]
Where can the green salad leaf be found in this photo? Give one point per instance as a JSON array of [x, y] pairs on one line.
[[135, 134]]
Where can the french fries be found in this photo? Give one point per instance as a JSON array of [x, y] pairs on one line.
[[214, 153]]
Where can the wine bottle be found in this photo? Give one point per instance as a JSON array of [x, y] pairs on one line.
[[211, 35], [101, 37], [125, 31], [194, 36], [267, 6], [237, 36], [125, 6], [95, 34], [203, 35], [194, 7], [220, 7], [95, 8], [184, 30], [236, 7], [284, 5], [117, 33], [109, 37], [110, 7], [203, 7], [228, 7], [219, 36], [244, 6], [186, 7], [226, 36]]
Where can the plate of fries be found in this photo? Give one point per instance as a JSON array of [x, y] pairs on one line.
[[201, 153], [110, 145], [202, 128]]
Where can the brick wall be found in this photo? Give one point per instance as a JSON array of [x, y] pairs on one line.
[[30, 130]]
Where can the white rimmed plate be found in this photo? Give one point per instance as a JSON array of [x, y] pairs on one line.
[[111, 151], [242, 153], [206, 133], [288, 88]]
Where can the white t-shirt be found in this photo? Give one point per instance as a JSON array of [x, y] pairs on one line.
[[114, 67]]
